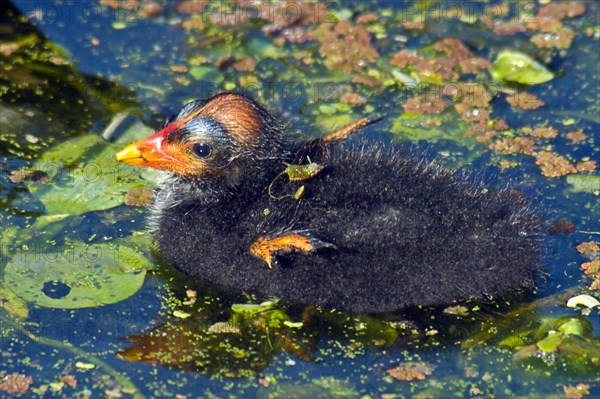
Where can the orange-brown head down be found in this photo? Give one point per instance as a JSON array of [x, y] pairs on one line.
[[208, 138]]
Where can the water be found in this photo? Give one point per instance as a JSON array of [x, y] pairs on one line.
[[78, 64]]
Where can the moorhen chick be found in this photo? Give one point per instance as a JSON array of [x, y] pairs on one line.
[[324, 222]]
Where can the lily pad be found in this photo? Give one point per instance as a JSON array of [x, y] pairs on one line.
[[78, 277], [86, 177], [12, 303], [518, 67]]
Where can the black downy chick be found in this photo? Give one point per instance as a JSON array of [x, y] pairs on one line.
[[368, 230]]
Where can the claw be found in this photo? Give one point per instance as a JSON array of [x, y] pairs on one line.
[[265, 248]]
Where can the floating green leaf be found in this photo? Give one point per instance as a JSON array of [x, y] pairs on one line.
[[253, 309], [551, 342], [78, 277], [584, 183], [518, 67], [206, 74], [303, 172]]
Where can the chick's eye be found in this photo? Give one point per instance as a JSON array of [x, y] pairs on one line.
[[202, 150]]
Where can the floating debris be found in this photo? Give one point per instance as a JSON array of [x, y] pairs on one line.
[[36, 176], [576, 136], [303, 172], [510, 145], [591, 268], [586, 166], [518, 67], [85, 366], [588, 247], [345, 46], [585, 300], [576, 392], [458, 310], [561, 226], [181, 314], [524, 100], [223, 327], [427, 103], [544, 132], [561, 39], [15, 383], [553, 165], [139, 197], [353, 98], [411, 371]]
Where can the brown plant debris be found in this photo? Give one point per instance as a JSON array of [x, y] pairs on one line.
[[193, 23], [510, 145], [425, 104], [553, 165], [223, 327], [508, 28], [295, 34], [179, 68], [591, 268], [120, 4], [544, 132], [474, 95], [549, 17], [411, 371], [500, 124], [70, 380], [15, 383], [468, 113], [504, 164], [345, 46], [441, 66], [404, 58], [474, 65], [576, 392], [413, 25], [524, 100], [576, 136], [558, 10], [444, 67], [139, 197], [586, 166], [367, 18], [363, 80], [487, 136], [280, 14], [561, 226], [151, 9], [588, 247], [244, 64], [37, 176], [353, 98], [455, 49], [561, 39], [546, 25]]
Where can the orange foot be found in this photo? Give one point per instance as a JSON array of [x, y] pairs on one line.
[[266, 247]]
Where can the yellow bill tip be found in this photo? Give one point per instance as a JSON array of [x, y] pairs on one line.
[[130, 154]]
